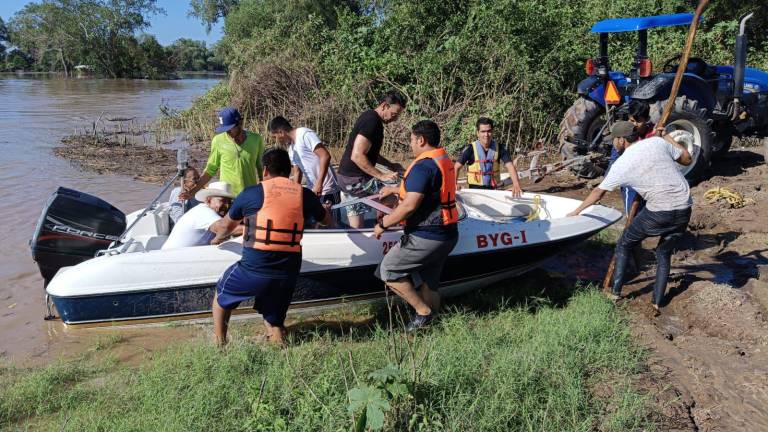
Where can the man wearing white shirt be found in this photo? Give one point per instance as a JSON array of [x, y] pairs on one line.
[[309, 157], [192, 229]]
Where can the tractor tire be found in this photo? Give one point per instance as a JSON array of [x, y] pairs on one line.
[[687, 116], [581, 123], [722, 144]]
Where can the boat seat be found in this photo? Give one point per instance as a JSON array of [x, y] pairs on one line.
[[482, 206], [147, 243]]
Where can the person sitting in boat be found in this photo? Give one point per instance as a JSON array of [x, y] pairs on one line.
[[274, 213], [193, 229], [483, 159], [180, 206], [428, 207], [235, 155]]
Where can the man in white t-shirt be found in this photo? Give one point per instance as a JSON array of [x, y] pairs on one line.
[[650, 167], [192, 229], [309, 158]]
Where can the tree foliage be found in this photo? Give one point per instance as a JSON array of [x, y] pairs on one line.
[[56, 35], [210, 11], [517, 61]]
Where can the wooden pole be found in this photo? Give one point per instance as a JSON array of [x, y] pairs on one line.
[[607, 281]]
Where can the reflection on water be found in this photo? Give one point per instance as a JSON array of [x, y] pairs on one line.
[[34, 114]]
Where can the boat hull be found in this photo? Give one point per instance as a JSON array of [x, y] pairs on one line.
[[462, 273]]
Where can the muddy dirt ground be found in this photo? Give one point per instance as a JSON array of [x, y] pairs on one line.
[[708, 366], [708, 363]]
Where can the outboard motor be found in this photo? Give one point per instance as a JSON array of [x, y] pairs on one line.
[[72, 228]]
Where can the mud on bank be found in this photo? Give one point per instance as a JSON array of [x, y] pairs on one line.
[[708, 365]]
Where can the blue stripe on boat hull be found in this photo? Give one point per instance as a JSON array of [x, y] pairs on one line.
[[311, 288]]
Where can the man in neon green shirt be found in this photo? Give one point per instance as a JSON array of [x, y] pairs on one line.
[[235, 154]]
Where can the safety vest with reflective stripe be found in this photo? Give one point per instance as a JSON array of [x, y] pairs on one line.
[[486, 170], [279, 224], [446, 211]]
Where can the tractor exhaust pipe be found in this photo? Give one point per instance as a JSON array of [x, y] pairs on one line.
[[740, 60]]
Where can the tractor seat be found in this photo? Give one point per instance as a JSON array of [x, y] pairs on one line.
[[698, 66]]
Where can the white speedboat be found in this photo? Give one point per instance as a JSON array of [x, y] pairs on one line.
[[132, 279]]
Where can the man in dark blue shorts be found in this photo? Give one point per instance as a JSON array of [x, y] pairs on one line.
[[273, 212], [428, 207]]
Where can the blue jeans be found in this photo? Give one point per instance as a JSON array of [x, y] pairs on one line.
[[669, 226]]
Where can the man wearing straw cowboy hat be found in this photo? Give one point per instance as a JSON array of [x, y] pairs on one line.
[[192, 229], [235, 155]]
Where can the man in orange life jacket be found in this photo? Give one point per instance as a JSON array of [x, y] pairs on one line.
[[428, 207], [483, 159], [274, 212]]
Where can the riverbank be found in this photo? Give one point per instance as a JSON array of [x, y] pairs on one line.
[[709, 348], [497, 360]]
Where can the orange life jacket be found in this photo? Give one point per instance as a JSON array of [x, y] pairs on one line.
[[449, 213], [279, 224]]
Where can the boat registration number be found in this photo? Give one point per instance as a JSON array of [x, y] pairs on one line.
[[502, 238]]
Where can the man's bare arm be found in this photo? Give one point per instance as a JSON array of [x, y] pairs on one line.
[[223, 228], [296, 174], [324, 158], [592, 198], [187, 194], [516, 189], [360, 148]]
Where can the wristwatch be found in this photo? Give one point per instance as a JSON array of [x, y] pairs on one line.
[[381, 225]]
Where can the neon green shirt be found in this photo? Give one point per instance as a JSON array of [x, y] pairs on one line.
[[236, 164]]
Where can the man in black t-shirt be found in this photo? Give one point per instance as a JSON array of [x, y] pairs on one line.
[[357, 174]]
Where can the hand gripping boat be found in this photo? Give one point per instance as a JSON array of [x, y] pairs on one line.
[[133, 279]]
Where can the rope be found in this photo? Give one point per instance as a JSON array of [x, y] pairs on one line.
[[734, 199], [535, 210]]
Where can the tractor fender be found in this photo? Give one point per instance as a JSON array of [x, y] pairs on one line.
[[693, 87], [587, 85]]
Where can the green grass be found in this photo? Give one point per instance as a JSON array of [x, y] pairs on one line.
[[490, 364]]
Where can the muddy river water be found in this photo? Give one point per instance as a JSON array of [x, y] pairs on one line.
[[35, 114]]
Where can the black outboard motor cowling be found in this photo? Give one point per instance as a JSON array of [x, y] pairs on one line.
[[72, 228]]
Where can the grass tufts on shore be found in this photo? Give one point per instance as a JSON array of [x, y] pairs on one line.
[[495, 368]]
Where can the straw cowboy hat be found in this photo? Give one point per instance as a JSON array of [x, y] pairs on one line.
[[215, 189]]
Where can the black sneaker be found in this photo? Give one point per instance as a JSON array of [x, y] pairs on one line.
[[419, 322]]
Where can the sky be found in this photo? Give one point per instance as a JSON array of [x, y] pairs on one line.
[[167, 28]]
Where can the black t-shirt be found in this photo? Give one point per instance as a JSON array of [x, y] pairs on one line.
[[274, 264], [425, 178], [369, 125]]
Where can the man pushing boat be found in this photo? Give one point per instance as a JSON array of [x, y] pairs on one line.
[[273, 212], [648, 166], [428, 208]]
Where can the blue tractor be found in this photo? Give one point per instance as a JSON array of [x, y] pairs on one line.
[[714, 104]]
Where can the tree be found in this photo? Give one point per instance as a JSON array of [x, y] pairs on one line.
[[96, 32], [210, 11], [3, 38]]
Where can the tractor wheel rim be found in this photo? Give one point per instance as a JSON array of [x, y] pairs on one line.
[[690, 138]]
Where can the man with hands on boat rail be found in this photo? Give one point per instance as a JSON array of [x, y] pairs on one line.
[[428, 209], [483, 159], [235, 155], [273, 212], [357, 174], [650, 167]]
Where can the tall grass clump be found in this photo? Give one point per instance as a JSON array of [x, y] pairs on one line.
[[497, 369]]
